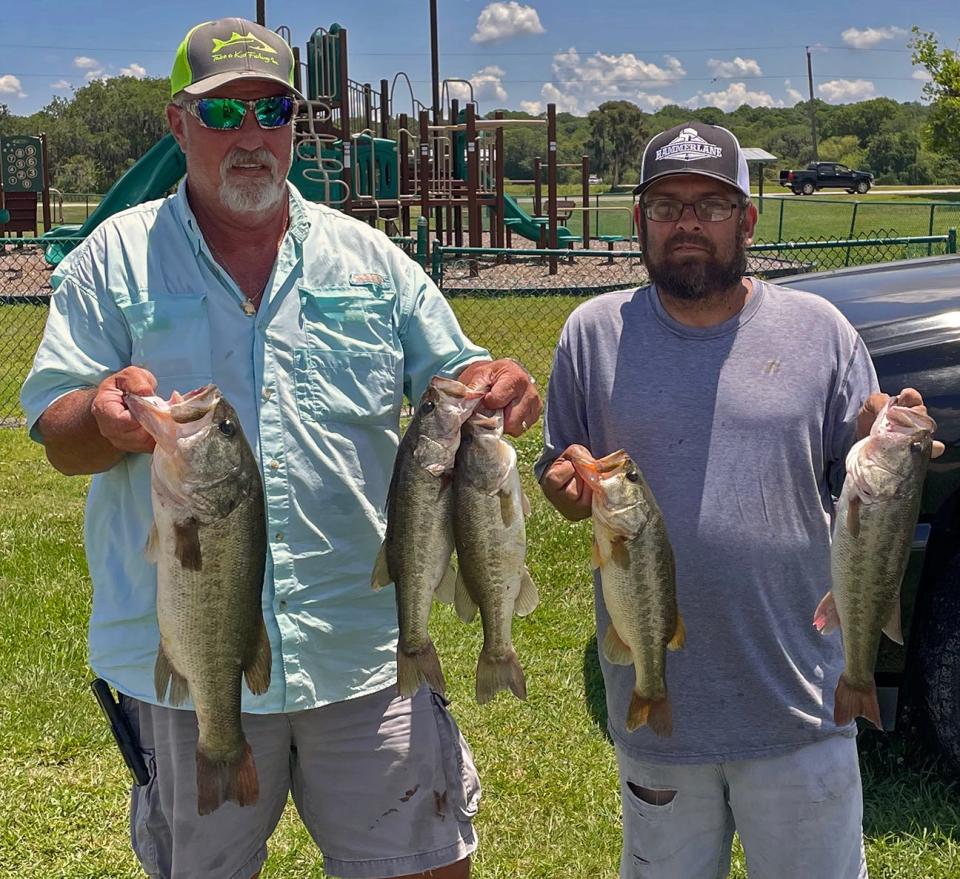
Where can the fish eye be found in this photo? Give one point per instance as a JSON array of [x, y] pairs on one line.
[[632, 475], [428, 407], [916, 448], [227, 427]]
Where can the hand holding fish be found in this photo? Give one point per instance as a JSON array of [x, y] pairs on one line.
[[564, 487], [511, 388], [873, 405], [113, 418]]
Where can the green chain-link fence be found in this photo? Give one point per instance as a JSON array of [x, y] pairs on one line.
[[513, 302]]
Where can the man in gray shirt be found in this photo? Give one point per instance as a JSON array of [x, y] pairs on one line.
[[738, 400]]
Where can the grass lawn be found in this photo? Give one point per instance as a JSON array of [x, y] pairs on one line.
[[550, 808]]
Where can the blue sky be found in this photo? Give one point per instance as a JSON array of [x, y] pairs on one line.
[[516, 54]]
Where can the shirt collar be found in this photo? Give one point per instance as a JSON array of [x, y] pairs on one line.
[[299, 226]]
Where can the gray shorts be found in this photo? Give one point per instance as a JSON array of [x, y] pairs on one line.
[[798, 815], [385, 786]]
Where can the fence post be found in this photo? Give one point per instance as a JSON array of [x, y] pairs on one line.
[[436, 265], [422, 246], [853, 224], [933, 207], [783, 202], [952, 239]]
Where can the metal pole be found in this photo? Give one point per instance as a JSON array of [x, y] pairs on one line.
[[585, 189], [537, 196], [435, 61], [46, 183], [261, 12], [552, 182], [813, 111], [952, 239]]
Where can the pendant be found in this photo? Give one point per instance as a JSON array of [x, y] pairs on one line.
[[248, 307]]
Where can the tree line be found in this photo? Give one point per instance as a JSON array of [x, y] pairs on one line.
[[95, 135]]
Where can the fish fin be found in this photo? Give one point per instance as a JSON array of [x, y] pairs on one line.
[[615, 648], [507, 511], [853, 516], [826, 618], [152, 549], [850, 702], [597, 555], [381, 572], [655, 713], [187, 535], [494, 675], [893, 629], [679, 635], [423, 666], [446, 590], [619, 552], [465, 606], [256, 670], [165, 675], [529, 598], [219, 782], [525, 504]]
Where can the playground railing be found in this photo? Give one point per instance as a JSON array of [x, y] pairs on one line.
[[506, 300]]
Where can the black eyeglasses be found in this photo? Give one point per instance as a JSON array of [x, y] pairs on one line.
[[708, 210], [227, 114]]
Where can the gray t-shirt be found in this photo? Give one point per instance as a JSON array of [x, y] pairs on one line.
[[741, 431]]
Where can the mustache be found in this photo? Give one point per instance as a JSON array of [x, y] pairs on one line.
[[240, 156], [689, 238]]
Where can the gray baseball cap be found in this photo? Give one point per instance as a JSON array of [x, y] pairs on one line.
[[695, 148], [217, 52]]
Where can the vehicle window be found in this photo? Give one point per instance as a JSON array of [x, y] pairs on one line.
[[843, 169]]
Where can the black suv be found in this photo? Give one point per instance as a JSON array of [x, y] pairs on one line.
[[908, 314]]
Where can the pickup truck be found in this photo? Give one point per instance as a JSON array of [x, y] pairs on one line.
[[908, 315], [826, 175]]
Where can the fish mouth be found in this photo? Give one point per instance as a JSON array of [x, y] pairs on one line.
[[452, 388], [592, 470], [169, 420], [894, 418]]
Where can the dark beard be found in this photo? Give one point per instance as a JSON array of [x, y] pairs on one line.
[[697, 279]]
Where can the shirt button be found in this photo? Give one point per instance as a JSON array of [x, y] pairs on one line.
[[278, 536], [283, 604], [267, 393], [274, 464]]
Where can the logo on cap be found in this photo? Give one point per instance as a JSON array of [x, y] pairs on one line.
[[688, 146], [247, 46]]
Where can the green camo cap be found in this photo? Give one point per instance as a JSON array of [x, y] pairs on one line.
[[217, 52]]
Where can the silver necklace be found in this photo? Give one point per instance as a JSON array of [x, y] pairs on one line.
[[250, 303]]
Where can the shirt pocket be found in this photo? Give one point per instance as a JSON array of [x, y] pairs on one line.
[[355, 386], [171, 338], [347, 317]]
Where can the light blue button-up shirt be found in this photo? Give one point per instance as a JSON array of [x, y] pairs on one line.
[[348, 325]]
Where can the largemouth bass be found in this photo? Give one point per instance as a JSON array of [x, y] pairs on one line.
[[873, 530], [489, 532], [209, 544], [418, 546], [638, 581]]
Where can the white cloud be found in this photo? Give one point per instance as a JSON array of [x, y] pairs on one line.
[[61, 85], [652, 103], [870, 36], [499, 21], [795, 96], [840, 91], [581, 84], [737, 67], [85, 63], [922, 74], [10, 85], [735, 95], [137, 71], [487, 86]]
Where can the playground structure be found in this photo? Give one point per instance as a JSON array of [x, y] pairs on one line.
[[355, 152], [24, 184]]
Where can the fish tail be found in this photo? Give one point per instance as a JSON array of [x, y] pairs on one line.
[[850, 702], [417, 667], [655, 713], [496, 674], [219, 781]]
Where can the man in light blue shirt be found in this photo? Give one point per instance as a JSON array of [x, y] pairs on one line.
[[314, 327]]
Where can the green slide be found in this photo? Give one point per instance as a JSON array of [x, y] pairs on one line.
[[527, 228], [151, 177]]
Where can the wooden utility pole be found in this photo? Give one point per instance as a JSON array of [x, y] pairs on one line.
[[813, 110]]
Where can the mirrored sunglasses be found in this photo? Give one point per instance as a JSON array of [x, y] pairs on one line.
[[227, 114]]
